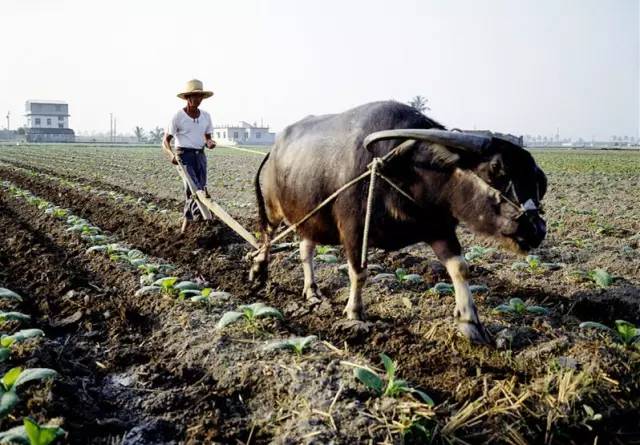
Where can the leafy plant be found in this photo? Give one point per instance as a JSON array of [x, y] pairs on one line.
[[328, 258], [8, 294], [394, 387], [601, 277], [250, 313], [13, 379], [517, 307], [533, 264], [24, 334], [32, 433], [295, 344], [14, 316], [442, 289], [624, 332], [476, 252], [325, 250], [404, 277]]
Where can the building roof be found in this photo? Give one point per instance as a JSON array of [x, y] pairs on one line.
[[48, 102]]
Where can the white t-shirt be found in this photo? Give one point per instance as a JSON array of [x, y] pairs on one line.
[[189, 132]]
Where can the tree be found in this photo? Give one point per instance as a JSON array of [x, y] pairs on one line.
[[420, 103], [155, 135], [139, 132]]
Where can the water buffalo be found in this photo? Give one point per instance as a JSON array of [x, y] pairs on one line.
[[489, 183]]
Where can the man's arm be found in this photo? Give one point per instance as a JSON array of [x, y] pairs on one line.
[[210, 142], [166, 148]]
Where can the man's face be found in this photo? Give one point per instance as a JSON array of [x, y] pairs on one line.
[[194, 100]]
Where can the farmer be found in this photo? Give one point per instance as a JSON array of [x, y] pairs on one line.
[[192, 129]]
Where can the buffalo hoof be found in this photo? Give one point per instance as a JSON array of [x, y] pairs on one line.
[[258, 273], [352, 328], [312, 293], [355, 314], [475, 332]]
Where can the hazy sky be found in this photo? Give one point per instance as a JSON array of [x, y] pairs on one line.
[[515, 66]]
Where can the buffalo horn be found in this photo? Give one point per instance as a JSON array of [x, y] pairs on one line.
[[458, 140]]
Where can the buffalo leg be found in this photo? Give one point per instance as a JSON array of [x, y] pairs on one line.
[[259, 268], [357, 276], [307, 250], [465, 313]]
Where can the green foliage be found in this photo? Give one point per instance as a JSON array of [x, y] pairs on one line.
[[404, 277], [24, 334], [32, 433], [624, 332], [326, 250], [517, 307], [13, 379], [250, 313], [478, 252], [394, 387], [328, 258], [601, 277], [532, 264], [295, 344], [442, 289], [7, 294], [14, 316]]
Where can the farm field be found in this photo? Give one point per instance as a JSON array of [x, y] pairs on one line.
[[85, 231]]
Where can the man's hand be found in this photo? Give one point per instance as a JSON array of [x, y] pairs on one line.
[[211, 144]]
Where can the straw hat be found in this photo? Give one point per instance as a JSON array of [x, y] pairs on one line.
[[194, 86]]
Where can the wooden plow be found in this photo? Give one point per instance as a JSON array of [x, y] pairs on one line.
[[208, 206]]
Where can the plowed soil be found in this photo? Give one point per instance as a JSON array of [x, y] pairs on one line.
[[148, 370]]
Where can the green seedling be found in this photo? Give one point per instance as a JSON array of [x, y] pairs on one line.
[[13, 379], [7, 294], [148, 268], [624, 332], [109, 249], [328, 258], [404, 277], [206, 295], [601, 277], [532, 264], [518, 307], [478, 252], [168, 286], [442, 289], [295, 344], [32, 433], [95, 239], [14, 316], [394, 386], [325, 250], [57, 212], [250, 313], [7, 341]]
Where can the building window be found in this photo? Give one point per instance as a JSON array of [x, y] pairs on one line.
[[60, 118], [37, 121], [48, 121], [235, 135], [258, 135], [60, 125]]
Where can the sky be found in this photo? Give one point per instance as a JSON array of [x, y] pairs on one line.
[[523, 67]]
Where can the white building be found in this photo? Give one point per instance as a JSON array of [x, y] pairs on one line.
[[48, 121], [243, 134]]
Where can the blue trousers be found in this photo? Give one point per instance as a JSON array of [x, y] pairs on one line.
[[195, 162]]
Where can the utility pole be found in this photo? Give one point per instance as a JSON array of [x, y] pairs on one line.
[[110, 127], [114, 130], [8, 120]]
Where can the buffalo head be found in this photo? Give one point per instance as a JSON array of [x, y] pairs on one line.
[[494, 185]]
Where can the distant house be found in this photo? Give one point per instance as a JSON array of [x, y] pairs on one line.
[[48, 121], [243, 134]]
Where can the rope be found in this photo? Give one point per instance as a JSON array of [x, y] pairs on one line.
[[367, 218], [244, 149]]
